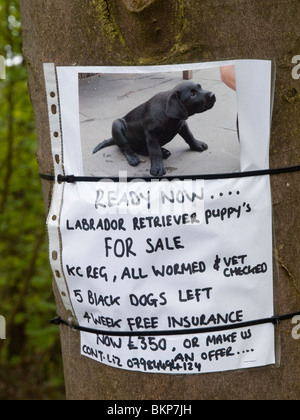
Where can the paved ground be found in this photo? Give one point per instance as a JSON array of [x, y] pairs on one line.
[[105, 97]]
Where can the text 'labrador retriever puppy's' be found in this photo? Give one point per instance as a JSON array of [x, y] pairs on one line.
[[147, 128]]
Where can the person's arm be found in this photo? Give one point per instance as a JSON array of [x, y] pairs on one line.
[[228, 76]]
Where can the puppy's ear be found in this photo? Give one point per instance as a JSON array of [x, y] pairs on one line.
[[175, 108]]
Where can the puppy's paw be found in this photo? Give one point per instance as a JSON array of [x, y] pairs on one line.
[[132, 158], [199, 146], [165, 153], [158, 170]]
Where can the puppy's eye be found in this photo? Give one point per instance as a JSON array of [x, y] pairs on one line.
[[193, 93]]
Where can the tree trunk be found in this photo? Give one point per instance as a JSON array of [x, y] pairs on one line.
[[141, 32]]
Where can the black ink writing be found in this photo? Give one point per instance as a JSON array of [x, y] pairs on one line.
[[102, 320], [145, 343], [217, 354], [221, 339], [74, 271], [120, 248], [99, 355], [246, 335], [109, 341], [205, 320], [226, 213], [108, 199], [179, 269], [148, 300], [236, 266], [196, 294], [180, 196], [190, 343], [180, 363], [98, 300], [140, 223], [246, 270], [164, 244], [235, 260], [98, 273], [93, 225], [133, 273], [142, 323]]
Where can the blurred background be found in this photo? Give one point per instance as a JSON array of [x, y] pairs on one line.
[[30, 357]]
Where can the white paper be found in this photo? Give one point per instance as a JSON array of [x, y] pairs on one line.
[[172, 254]]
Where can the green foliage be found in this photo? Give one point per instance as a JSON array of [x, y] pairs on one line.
[[30, 357]]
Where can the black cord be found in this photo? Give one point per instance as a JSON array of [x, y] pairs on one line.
[[275, 320], [73, 178]]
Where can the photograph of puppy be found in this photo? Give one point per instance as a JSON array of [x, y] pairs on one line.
[[126, 120], [151, 125]]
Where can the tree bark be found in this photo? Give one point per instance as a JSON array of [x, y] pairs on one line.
[[140, 32]]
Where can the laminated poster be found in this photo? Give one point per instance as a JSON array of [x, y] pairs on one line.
[[148, 248]]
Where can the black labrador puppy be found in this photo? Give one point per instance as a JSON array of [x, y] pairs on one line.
[[147, 128]]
